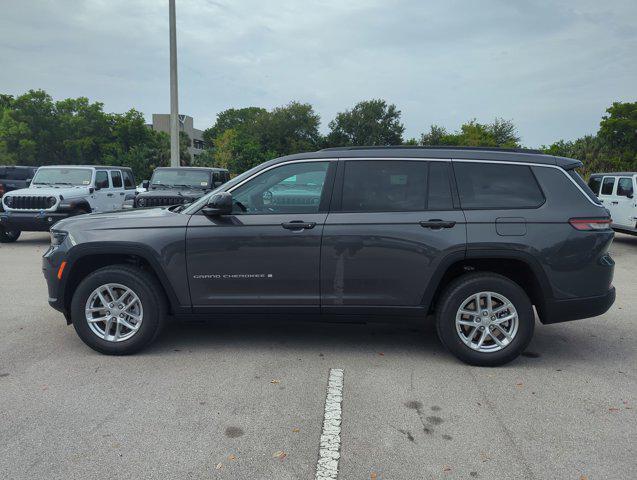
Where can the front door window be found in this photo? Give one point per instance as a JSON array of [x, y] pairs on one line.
[[289, 189]]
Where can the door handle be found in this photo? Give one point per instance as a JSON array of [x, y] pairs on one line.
[[122, 193], [109, 194], [298, 225], [614, 203], [437, 224]]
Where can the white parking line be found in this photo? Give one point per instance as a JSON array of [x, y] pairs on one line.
[[329, 451]]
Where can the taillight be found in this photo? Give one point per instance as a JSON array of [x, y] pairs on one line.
[[589, 224]]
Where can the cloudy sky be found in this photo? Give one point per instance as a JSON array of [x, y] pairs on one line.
[[551, 66]]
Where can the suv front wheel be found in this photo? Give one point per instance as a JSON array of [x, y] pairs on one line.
[[485, 319], [118, 310]]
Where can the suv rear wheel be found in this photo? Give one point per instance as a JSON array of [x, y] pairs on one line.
[[9, 236], [118, 310], [485, 319]]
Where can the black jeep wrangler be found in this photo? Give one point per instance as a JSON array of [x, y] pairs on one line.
[[177, 186], [477, 237], [15, 177]]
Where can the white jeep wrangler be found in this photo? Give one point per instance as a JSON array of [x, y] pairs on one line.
[[58, 192]]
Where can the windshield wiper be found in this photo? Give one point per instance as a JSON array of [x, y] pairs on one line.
[[161, 185], [183, 185], [61, 183]]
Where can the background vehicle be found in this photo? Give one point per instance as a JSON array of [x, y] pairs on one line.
[[478, 237], [176, 186], [13, 177], [617, 192], [58, 192]]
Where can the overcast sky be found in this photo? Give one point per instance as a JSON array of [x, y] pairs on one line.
[[551, 66]]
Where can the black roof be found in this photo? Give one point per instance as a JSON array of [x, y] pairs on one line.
[[460, 153]]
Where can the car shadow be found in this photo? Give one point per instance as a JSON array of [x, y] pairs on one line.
[[552, 345]]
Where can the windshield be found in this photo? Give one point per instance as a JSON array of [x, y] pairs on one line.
[[194, 207], [180, 177], [63, 176]]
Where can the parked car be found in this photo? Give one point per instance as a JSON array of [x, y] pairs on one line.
[[477, 236], [14, 177], [177, 186], [617, 192], [58, 192]]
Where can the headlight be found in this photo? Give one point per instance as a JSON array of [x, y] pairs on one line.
[[8, 200], [57, 237], [51, 201]]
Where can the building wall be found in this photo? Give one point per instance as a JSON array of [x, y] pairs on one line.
[[161, 123]]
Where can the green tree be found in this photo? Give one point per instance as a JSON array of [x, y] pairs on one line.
[[371, 122], [619, 128], [233, 118], [499, 133]]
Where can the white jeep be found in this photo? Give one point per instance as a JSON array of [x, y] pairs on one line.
[[58, 192]]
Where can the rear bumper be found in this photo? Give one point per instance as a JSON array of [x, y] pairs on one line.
[[575, 309], [31, 221]]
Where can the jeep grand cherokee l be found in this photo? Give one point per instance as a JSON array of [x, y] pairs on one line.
[[477, 237]]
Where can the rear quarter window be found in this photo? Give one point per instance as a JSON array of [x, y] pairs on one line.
[[594, 183], [497, 186]]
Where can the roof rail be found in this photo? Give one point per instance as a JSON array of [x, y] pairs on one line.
[[436, 147]]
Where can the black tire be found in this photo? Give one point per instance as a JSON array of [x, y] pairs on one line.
[[9, 236], [150, 293], [461, 289]]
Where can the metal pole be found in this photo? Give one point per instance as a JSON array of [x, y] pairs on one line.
[[174, 107]]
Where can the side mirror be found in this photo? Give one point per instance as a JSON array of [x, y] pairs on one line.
[[219, 204], [28, 181], [145, 184]]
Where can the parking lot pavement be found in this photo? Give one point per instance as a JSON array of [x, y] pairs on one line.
[[245, 399]]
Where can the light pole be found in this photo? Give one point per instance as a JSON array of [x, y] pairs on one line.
[[174, 107]]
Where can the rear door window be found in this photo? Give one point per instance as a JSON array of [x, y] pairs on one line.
[[607, 185], [116, 178], [384, 186], [497, 186]]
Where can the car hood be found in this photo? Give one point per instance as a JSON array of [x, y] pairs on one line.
[[128, 219], [173, 192], [45, 191]]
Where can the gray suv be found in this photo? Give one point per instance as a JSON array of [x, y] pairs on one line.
[[477, 237]]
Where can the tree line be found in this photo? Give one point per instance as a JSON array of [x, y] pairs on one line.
[[36, 130]]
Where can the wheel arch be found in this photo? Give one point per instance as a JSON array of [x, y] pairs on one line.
[[518, 267], [85, 259]]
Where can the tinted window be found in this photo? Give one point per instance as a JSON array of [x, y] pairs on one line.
[[384, 186], [293, 188], [129, 181], [101, 179], [595, 183], [625, 187], [116, 178], [439, 187], [497, 186], [582, 184], [607, 185]]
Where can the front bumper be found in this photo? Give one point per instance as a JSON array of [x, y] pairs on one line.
[[51, 262], [574, 309], [31, 221]]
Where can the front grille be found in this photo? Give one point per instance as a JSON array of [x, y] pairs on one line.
[[29, 202], [162, 201]]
